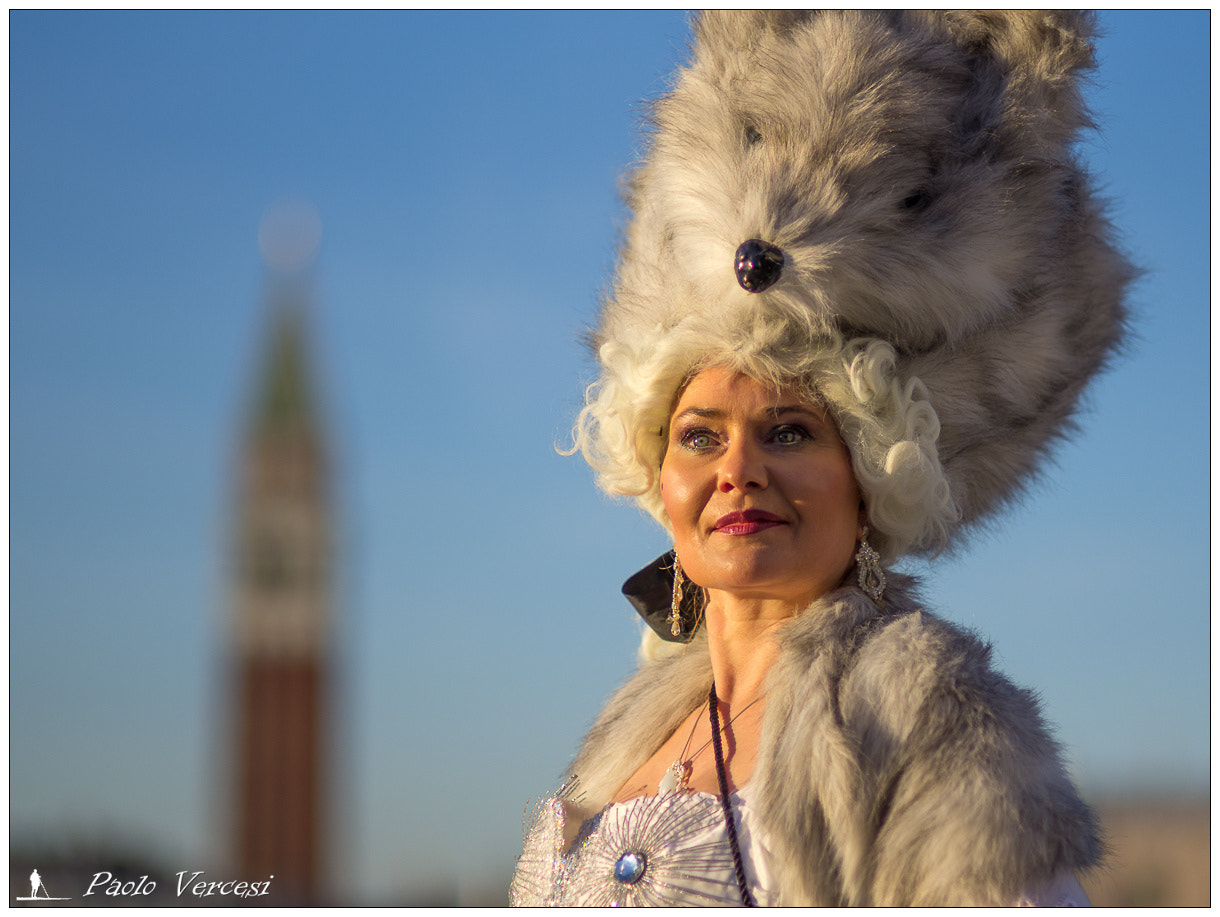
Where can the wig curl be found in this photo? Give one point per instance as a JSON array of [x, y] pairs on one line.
[[887, 423]]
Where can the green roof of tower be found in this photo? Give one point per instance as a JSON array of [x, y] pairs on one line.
[[285, 398]]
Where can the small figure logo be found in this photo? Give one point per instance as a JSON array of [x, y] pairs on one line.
[[35, 886]]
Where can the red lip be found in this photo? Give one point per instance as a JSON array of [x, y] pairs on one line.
[[746, 522]]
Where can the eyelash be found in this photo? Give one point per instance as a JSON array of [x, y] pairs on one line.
[[687, 438], [793, 428]]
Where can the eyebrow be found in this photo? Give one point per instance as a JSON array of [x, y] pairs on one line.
[[716, 413], [700, 412]]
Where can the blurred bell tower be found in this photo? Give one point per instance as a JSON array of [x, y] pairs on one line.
[[283, 591]]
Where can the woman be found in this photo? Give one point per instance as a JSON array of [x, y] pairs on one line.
[[801, 730]]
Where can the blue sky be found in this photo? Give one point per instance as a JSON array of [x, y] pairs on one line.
[[465, 168]]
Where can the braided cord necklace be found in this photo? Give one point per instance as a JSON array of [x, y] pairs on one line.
[[730, 828]]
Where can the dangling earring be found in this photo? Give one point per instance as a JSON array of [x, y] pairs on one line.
[[675, 606], [868, 561]]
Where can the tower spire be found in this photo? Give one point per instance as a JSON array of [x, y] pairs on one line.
[[285, 402], [282, 610]]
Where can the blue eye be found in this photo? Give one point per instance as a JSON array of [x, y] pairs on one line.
[[697, 439], [790, 435]]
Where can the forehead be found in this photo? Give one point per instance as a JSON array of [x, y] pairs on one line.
[[724, 389]]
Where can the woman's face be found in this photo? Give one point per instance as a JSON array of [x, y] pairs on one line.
[[759, 490]]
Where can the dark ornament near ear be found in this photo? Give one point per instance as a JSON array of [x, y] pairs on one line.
[[758, 266], [650, 593]]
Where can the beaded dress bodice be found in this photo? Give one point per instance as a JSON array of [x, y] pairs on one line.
[[669, 850], [662, 850]]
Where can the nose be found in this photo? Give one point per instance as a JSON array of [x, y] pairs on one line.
[[758, 265], [742, 467]]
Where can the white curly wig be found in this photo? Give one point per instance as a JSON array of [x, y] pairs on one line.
[[888, 425], [887, 210]]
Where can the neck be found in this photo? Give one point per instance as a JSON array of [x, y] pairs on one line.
[[742, 645]]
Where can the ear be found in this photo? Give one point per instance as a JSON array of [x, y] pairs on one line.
[[723, 34], [1055, 42], [1028, 66]]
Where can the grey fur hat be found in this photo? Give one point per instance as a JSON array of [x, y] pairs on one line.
[[892, 200]]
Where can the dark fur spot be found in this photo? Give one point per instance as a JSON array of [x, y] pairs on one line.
[[917, 200]]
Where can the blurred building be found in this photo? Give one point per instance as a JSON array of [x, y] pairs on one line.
[[281, 621], [1159, 853]]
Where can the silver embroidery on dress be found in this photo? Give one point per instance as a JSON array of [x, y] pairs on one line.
[[653, 850]]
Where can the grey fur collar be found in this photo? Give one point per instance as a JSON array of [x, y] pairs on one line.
[[897, 767]]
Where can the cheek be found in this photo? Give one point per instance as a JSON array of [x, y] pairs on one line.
[[676, 494], [852, 499], [839, 496], [669, 494]]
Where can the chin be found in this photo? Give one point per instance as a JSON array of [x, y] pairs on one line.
[[758, 578], [756, 584]]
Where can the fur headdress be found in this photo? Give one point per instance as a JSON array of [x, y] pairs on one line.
[[887, 207]]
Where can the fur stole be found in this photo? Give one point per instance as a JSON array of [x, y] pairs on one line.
[[896, 766]]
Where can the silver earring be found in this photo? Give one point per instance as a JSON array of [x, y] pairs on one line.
[[675, 605], [868, 562]]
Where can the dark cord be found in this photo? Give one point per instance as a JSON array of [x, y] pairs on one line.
[[746, 898]]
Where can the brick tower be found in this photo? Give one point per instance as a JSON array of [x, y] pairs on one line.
[[281, 622]]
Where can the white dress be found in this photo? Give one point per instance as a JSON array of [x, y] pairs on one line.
[[667, 850], [652, 850]]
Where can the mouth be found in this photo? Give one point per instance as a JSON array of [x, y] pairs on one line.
[[746, 522]]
